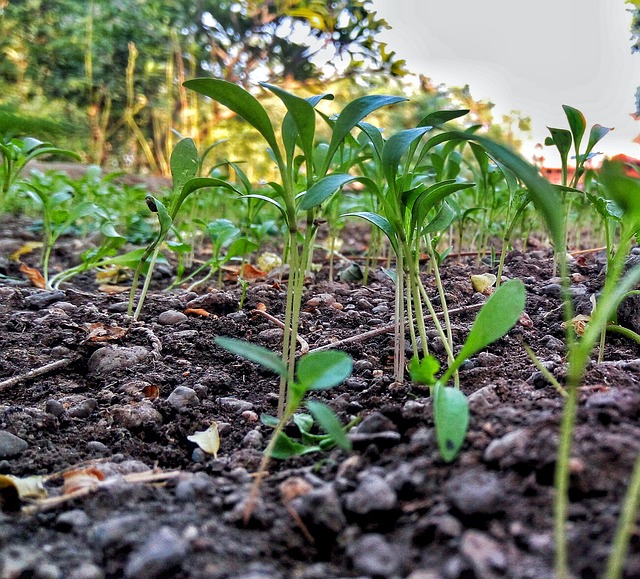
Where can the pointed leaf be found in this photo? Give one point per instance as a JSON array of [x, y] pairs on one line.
[[329, 422], [351, 115], [321, 370], [577, 122], [440, 117], [395, 147], [441, 221], [596, 134], [325, 187], [381, 223], [254, 353], [285, 447], [240, 102], [451, 417], [184, 163]]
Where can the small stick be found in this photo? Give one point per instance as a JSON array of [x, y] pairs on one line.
[[386, 329], [304, 346], [585, 251], [42, 371]]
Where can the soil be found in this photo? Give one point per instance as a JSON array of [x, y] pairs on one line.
[[124, 397]]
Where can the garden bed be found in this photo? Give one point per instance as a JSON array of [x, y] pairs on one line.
[[124, 398]]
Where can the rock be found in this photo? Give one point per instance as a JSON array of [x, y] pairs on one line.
[[97, 447], [483, 399], [362, 365], [505, 446], [615, 402], [271, 336], [376, 422], [54, 407], [110, 359], [43, 299], [253, 439], [73, 520], [373, 495], [79, 407], [11, 445], [172, 318], [134, 415], [115, 532], [234, 404], [485, 555], [216, 302], [86, 571], [475, 493], [321, 511], [182, 398], [373, 556], [163, 552]]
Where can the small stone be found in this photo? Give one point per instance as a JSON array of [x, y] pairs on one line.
[[362, 365], [505, 446], [483, 399], [376, 422], [321, 511], [249, 416], [97, 447], [162, 553], [615, 401], [198, 455], [364, 304], [43, 299], [110, 359], [552, 290], [475, 492], [373, 494], [182, 398], [172, 318], [485, 555], [253, 439], [380, 310], [373, 556], [115, 532], [54, 407], [234, 405], [73, 520], [11, 445], [272, 335], [82, 409], [487, 359], [86, 571], [133, 416]]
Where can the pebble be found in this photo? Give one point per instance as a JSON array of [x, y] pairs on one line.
[[380, 310], [54, 407], [171, 318], [483, 399], [133, 416], [66, 306], [272, 335], [115, 532], [11, 445], [475, 492], [234, 404], [82, 408], [185, 335], [372, 555], [43, 299], [615, 401], [485, 555], [86, 571], [362, 365], [198, 455], [216, 302], [487, 359], [73, 520], [552, 289], [110, 359], [373, 494], [357, 384], [253, 439], [376, 422], [163, 552], [97, 447], [553, 343], [506, 446], [321, 510], [192, 486], [182, 398]]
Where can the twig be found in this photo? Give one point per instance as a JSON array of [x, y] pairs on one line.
[[386, 329], [36, 372], [585, 251], [304, 346]]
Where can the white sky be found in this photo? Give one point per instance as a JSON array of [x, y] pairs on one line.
[[529, 56]]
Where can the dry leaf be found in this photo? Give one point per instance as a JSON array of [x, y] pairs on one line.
[[261, 307], [579, 324], [33, 275], [25, 250], [113, 289], [251, 273], [74, 480], [151, 391], [98, 332], [268, 261], [483, 282], [197, 312], [208, 440], [112, 275]]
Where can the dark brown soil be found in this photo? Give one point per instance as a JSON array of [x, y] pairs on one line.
[[391, 508]]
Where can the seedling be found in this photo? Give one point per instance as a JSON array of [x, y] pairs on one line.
[[314, 371], [450, 408]]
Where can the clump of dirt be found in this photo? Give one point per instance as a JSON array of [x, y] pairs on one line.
[[117, 400]]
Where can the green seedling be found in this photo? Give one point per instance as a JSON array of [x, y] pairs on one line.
[[314, 371], [294, 149], [450, 408], [17, 153]]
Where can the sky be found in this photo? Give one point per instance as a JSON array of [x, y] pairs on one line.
[[528, 56]]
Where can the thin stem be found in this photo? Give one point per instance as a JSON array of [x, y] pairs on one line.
[[398, 358], [147, 281]]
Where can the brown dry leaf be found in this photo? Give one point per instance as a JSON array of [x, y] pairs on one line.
[[208, 440], [261, 307], [151, 391], [74, 480], [251, 273], [113, 289], [98, 332], [579, 324], [33, 275], [26, 249], [197, 312]]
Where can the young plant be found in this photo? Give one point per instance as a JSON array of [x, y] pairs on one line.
[[297, 132], [314, 371], [450, 409]]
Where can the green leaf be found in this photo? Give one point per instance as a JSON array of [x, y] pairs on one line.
[[254, 353], [424, 371], [285, 447], [268, 420], [163, 216], [240, 102], [395, 147], [351, 115], [330, 423], [562, 139], [494, 320], [193, 185], [596, 134], [304, 422], [321, 370], [441, 221], [451, 417], [326, 186], [381, 223], [577, 123], [624, 190], [440, 117], [431, 197], [184, 163], [239, 247]]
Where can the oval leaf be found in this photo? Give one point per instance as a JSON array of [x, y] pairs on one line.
[[254, 353], [321, 370], [329, 422], [451, 417]]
